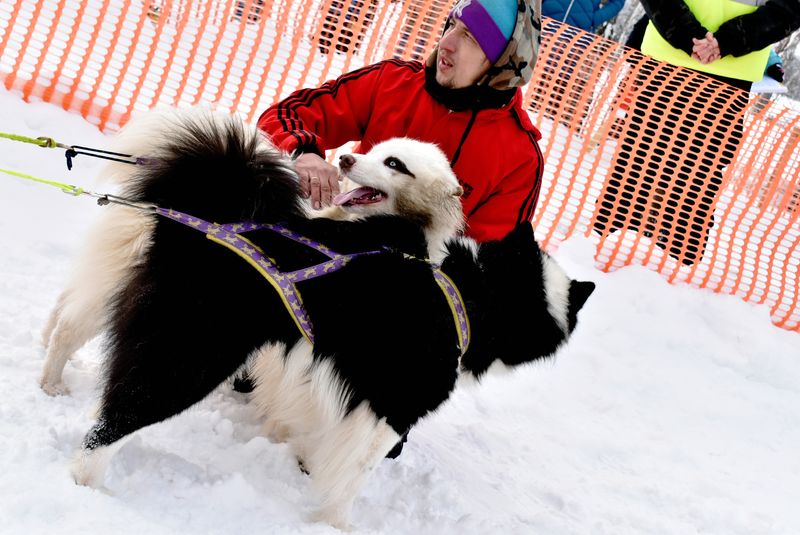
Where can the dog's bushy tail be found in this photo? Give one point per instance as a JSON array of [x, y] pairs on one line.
[[215, 167]]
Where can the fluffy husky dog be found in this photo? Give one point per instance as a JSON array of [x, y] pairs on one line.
[[400, 176], [192, 312]]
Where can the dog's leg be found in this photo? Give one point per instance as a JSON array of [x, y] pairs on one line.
[[282, 389], [142, 406], [119, 241], [282, 394], [341, 461], [52, 319], [102, 441], [89, 466], [70, 332], [139, 393]]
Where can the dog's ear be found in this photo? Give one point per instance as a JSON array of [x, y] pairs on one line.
[[523, 233], [579, 292]]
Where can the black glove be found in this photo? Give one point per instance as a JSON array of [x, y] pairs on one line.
[[776, 72]]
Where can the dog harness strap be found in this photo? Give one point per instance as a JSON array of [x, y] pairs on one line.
[[284, 285], [336, 263], [283, 231], [229, 235], [456, 307], [236, 228], [292, 235], [226, 236]]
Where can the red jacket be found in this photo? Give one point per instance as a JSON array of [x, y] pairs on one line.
[[499, 163]]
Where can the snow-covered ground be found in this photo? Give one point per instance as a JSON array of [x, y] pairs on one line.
[[673, 411]]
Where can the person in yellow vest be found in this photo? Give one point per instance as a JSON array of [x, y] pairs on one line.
[[729, 41]]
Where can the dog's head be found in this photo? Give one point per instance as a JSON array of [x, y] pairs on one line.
[[535, 303], [406, 177]]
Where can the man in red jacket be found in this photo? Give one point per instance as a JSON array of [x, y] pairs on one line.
[[466, 99]]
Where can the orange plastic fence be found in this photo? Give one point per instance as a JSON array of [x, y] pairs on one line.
[[669, 169], [662, 166]]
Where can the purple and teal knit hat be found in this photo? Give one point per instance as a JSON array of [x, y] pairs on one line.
[[491, 22]]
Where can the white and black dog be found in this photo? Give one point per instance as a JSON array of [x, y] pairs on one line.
[[389, 337], [429, 196], [408, 178]]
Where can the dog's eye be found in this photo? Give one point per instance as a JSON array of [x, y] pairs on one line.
[[394, 163]]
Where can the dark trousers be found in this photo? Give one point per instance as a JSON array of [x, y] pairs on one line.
[[668, 173]]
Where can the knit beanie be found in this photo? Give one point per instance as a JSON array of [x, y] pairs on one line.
[[491, 22]]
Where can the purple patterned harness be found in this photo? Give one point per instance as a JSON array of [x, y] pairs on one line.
[[229, 235]]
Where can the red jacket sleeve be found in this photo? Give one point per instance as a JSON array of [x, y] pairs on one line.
[[315, 120]]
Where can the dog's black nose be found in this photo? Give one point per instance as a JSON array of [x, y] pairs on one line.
[[346, 161]]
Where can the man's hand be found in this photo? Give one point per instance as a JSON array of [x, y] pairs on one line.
[[318, 179], [706, 50]]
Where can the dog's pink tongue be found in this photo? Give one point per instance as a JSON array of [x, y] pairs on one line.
[[347, 196], [362, 195]]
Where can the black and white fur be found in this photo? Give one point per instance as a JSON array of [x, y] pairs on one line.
[[386, 350], [400, 176]]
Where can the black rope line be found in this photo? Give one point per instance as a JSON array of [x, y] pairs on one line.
[[75, 150]]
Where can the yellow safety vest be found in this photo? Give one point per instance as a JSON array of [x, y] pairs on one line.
[[711, 14]]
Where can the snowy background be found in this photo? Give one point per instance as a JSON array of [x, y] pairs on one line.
[[673, 410]]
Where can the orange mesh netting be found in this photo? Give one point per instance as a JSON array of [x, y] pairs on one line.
[[669, 169], [663, 167]]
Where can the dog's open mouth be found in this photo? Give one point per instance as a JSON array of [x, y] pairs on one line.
[[362, 195]]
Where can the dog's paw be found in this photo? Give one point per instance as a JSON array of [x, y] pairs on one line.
[[334, 517], [85, 474], [52, 388], [89, 467]]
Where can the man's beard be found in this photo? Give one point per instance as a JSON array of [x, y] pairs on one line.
[[447, 83], [474, 97]]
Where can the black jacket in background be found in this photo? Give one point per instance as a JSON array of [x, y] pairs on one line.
[[770, 23]]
